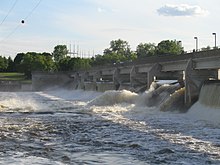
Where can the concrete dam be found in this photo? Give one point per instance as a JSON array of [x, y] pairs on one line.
[[190, 70]]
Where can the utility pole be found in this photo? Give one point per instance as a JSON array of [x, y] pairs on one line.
[[215, 39], [196, 38]]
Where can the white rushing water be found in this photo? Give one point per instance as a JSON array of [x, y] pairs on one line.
[[115, 127]]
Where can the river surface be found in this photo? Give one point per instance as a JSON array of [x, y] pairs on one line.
[[86, 128]]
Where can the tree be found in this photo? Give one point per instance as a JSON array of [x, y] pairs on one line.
[[47, 54], [168, 47], [73, 64], [11, 65], [49, 64], [60, 52], [25, 65], [146, 49], [63, 64], [206, 48], [18, 59], [119, 46], [97, 60], [120, 49], [32, 61], [3, 63]]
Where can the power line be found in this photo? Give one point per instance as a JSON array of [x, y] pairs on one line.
[[30, 13], [16, 28], [9, 12], [12, 32]]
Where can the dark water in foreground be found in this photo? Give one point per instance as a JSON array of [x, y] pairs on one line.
[[62, 128]]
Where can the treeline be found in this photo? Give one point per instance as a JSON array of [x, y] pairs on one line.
[[58, 60], [120, 51]]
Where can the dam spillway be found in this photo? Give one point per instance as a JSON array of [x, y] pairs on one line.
[[209, 94], [190, 70]]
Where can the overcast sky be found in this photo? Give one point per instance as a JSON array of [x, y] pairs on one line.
[[92, 24]]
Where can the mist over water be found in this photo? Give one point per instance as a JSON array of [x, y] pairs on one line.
[[114, 127]]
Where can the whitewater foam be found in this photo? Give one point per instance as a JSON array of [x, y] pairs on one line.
[[200, 112], [140, 131], [174, 102], [16, 103], [138, 105], [209, 95], [122, 101], [80, 95], [114, 97]]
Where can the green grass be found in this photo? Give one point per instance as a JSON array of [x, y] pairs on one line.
[[12, 76]]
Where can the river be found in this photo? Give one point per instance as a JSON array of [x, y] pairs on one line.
[[85, 128]]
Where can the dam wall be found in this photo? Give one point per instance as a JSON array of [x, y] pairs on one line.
[[189, 70], [47, 80], [14, 86]]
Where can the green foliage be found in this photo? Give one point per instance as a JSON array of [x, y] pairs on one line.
[[63, 64], [73, 64], [49, 64], [168, 47], [60, 52], [145, 50], [98, 60], [11, 65], [119, 51], [206, 48], [3, 63], [12, 76], [32, 61]]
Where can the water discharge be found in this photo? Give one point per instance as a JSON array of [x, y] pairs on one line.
[[209, 95], [114, 127]]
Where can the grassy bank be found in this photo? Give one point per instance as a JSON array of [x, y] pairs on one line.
[[13, 77]]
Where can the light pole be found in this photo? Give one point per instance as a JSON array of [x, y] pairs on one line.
[[181, 48], [215, 38], [196, 38]]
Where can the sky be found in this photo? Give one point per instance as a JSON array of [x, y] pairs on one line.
[[89, 25]]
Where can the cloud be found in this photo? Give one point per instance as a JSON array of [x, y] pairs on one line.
[[101, 10], [182, 10]]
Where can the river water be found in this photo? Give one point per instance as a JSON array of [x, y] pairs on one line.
[[79, 127]]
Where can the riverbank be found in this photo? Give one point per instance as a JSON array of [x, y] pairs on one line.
[[10, 82]]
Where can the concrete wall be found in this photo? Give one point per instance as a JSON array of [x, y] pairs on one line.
[[9, 86], [46, 80], [90, 86], [104, 86], [26, 87], [14, 86]]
